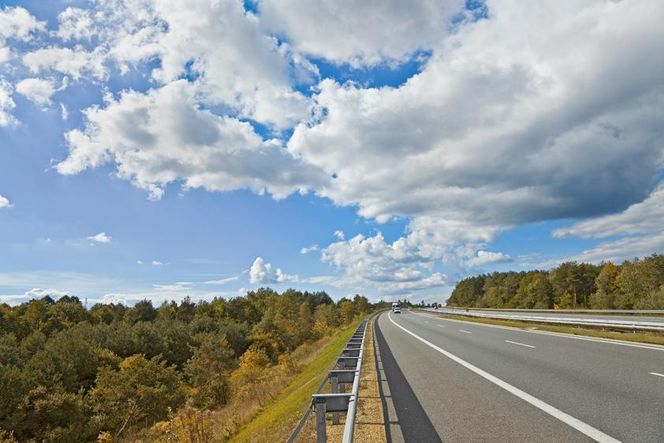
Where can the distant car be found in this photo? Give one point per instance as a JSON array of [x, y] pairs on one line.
[[396, 308]]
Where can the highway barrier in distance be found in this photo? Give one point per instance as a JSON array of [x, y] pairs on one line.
[[345, 372], [580, 320]]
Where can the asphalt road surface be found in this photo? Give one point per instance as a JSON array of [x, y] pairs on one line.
[[454, 381]]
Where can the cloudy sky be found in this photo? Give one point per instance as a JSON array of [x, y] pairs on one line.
[[162, 148]]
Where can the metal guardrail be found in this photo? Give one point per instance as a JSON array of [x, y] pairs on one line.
[[345, 372], [581, 321], [566, 311]]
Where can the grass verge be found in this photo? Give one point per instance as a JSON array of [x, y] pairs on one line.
[[640, 337], [278, 418]]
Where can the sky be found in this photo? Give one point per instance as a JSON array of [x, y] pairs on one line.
[[158, 149]]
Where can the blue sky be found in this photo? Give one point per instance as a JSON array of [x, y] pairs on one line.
[[148, 150]]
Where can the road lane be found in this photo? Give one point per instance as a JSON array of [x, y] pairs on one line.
[[606, 386]]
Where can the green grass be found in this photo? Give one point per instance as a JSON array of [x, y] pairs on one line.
[[640, 337], [279, 417]]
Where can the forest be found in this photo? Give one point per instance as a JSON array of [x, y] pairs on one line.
[[635, 284], [71, 374]]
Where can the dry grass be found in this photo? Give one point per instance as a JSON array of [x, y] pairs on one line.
[[640, 337], [369, 424]]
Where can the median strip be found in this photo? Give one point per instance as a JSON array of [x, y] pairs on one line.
[[575, 423]]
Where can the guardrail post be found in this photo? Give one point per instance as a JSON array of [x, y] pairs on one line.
[[335, 388], [319, 407]]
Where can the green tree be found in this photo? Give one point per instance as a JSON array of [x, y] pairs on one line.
[[139, 391], [208, 371], [607, 288]]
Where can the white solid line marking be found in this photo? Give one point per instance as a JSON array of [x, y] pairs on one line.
[[657, 373], [463, 330], [520, 344], [575, 423]]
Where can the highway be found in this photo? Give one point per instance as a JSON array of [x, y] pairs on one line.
[[451, 381]]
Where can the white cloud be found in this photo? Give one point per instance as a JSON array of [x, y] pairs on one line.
[[4, 202], [639, 231], [360, 33], [484, 258], [372, 262], [76, 62], [162, 136], [339, 235], [19, 283], [622, 249], [102, 237], [157, 263], [75, 24], [6, 103], [238, 66], [37, 90], [242, 67], [40, 293], [18, 23], [308, 249], [502, 127], [64, 112], [139, 262], [261, 273], [221, 281], [640, 218]]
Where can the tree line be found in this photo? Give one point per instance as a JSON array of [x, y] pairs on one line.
[[635, 284], [70, 374]]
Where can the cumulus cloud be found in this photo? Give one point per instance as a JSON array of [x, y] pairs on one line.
[[261, 273], [76, 62], [18, 23], [37, 90], [373, 262], [339, 235], [4, 202], [360, 33], [241, 66], [502, 127], [162, 136], [484, 258], [75, 24], [102, 237]]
